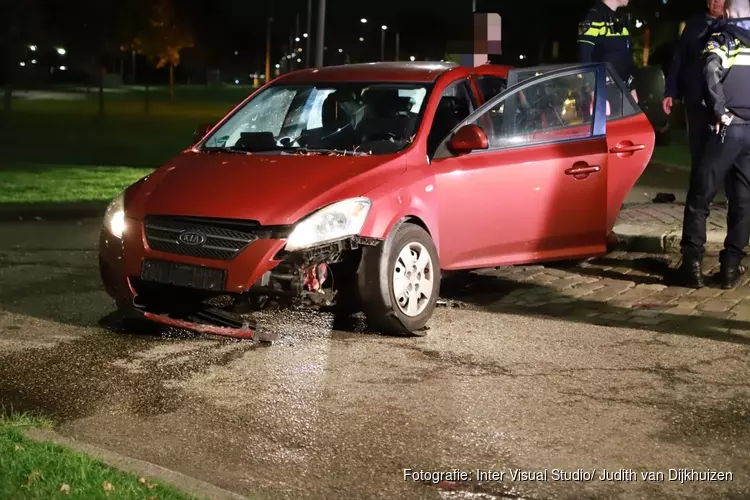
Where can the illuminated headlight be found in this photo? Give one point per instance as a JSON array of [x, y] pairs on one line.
[[114, 217], [331, 223]]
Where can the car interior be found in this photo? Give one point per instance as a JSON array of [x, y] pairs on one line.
[[454, 106]]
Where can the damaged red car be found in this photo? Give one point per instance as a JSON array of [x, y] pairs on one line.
[[353, 187]]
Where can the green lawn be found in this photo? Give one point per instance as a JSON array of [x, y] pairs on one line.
[[65, 183], [676, 152], [33, 470], [72, 132]]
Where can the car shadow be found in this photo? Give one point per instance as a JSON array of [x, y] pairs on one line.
[[503, 295]]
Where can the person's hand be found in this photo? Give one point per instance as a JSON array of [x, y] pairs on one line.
[[725, 120], [666, 104], [634, 94]]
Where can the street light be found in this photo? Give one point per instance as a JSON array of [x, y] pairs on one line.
[[22, 64], [363, 20], [33, 61], [299, 60], [296, 39], [299, 49], [412, 58], [32, 48], [304, 35], [278, 66], [361, 39], [63, 68], [340, 51], [61, 51], [382, 42]]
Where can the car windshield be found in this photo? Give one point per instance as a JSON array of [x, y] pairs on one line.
[[349, 118]]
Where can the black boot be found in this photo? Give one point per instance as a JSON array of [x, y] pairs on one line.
[[690, 273], [730, 275]]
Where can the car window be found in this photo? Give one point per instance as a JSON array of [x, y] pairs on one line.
[[455, 105], [618, 104], [373, 118], [490, 86], [560, 108]]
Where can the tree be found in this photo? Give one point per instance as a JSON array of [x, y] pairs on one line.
[[163, 37]]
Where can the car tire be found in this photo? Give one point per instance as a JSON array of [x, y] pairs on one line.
[[382, 274]]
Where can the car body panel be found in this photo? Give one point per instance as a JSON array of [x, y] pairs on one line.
[[240, 186], [625, 168], [522, 206]]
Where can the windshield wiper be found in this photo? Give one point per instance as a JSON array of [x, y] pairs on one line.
[[333, 152], [292, 150], [222, 149]]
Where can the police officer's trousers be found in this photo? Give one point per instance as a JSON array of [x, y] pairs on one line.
[[699, 120], [728, 159]]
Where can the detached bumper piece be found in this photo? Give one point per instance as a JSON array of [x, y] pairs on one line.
[[181, 296]]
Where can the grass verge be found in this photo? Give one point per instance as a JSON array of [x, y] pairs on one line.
[[38, 470], [676, 152], [65, 183]]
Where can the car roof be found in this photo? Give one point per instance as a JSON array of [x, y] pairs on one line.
[[422, 72]]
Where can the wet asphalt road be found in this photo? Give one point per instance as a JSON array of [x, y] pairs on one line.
[[328, 414]]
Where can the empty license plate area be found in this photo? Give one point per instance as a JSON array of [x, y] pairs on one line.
[[186, 275]]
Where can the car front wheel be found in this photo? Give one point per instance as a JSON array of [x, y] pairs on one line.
[[399, 282]]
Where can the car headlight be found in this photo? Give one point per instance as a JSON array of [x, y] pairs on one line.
[[114, 217], [336, 221]]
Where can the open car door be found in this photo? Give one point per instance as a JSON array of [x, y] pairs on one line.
[[524, 178], [630, 135]]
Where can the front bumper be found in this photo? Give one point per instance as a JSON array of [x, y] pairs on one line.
[[261, 269], [120, 262]]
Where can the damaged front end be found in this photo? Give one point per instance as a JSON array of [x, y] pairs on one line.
[[320, 277], [312, 278]]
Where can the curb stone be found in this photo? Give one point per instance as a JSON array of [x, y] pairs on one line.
[[51, 211], [633, 238], [141, 468]]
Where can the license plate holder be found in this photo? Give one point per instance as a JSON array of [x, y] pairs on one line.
[[185, 275]]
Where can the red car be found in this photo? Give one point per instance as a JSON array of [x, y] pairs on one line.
[[353, 187]]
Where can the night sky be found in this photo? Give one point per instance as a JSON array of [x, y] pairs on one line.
[[91, 28]]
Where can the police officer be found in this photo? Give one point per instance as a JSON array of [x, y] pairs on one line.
[[685, 79], [603, 36], [727, 75]]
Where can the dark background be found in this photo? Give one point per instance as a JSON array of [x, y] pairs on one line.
[[230, 34]]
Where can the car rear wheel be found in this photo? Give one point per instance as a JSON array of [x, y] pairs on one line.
[[399, 282]]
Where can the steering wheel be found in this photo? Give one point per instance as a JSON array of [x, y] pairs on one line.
[[380, 135], [288, 142]]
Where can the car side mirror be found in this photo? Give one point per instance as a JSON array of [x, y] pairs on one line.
[[201, 132], [469, 138]]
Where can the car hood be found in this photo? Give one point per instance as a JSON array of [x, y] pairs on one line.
[[271, 189]]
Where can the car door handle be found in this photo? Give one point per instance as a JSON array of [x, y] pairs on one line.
[[628, 149], [583, 170]]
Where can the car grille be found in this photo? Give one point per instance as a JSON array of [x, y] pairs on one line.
[[223, 239]]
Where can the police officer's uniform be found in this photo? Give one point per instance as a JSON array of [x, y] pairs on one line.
[[603, 36], [685, 81], [727, 74]]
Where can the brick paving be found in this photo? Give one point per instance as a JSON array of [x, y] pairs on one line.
[[669, 216], [621, 289], [657, 227]]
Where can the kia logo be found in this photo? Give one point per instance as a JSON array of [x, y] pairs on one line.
[[192, 238]]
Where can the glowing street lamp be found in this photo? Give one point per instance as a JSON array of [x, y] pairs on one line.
[[32, 48], [361, 39], [340, 51], [61, 51], [412, 58], [296, 39], [382, 42], [363, 20], [304, 35]]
